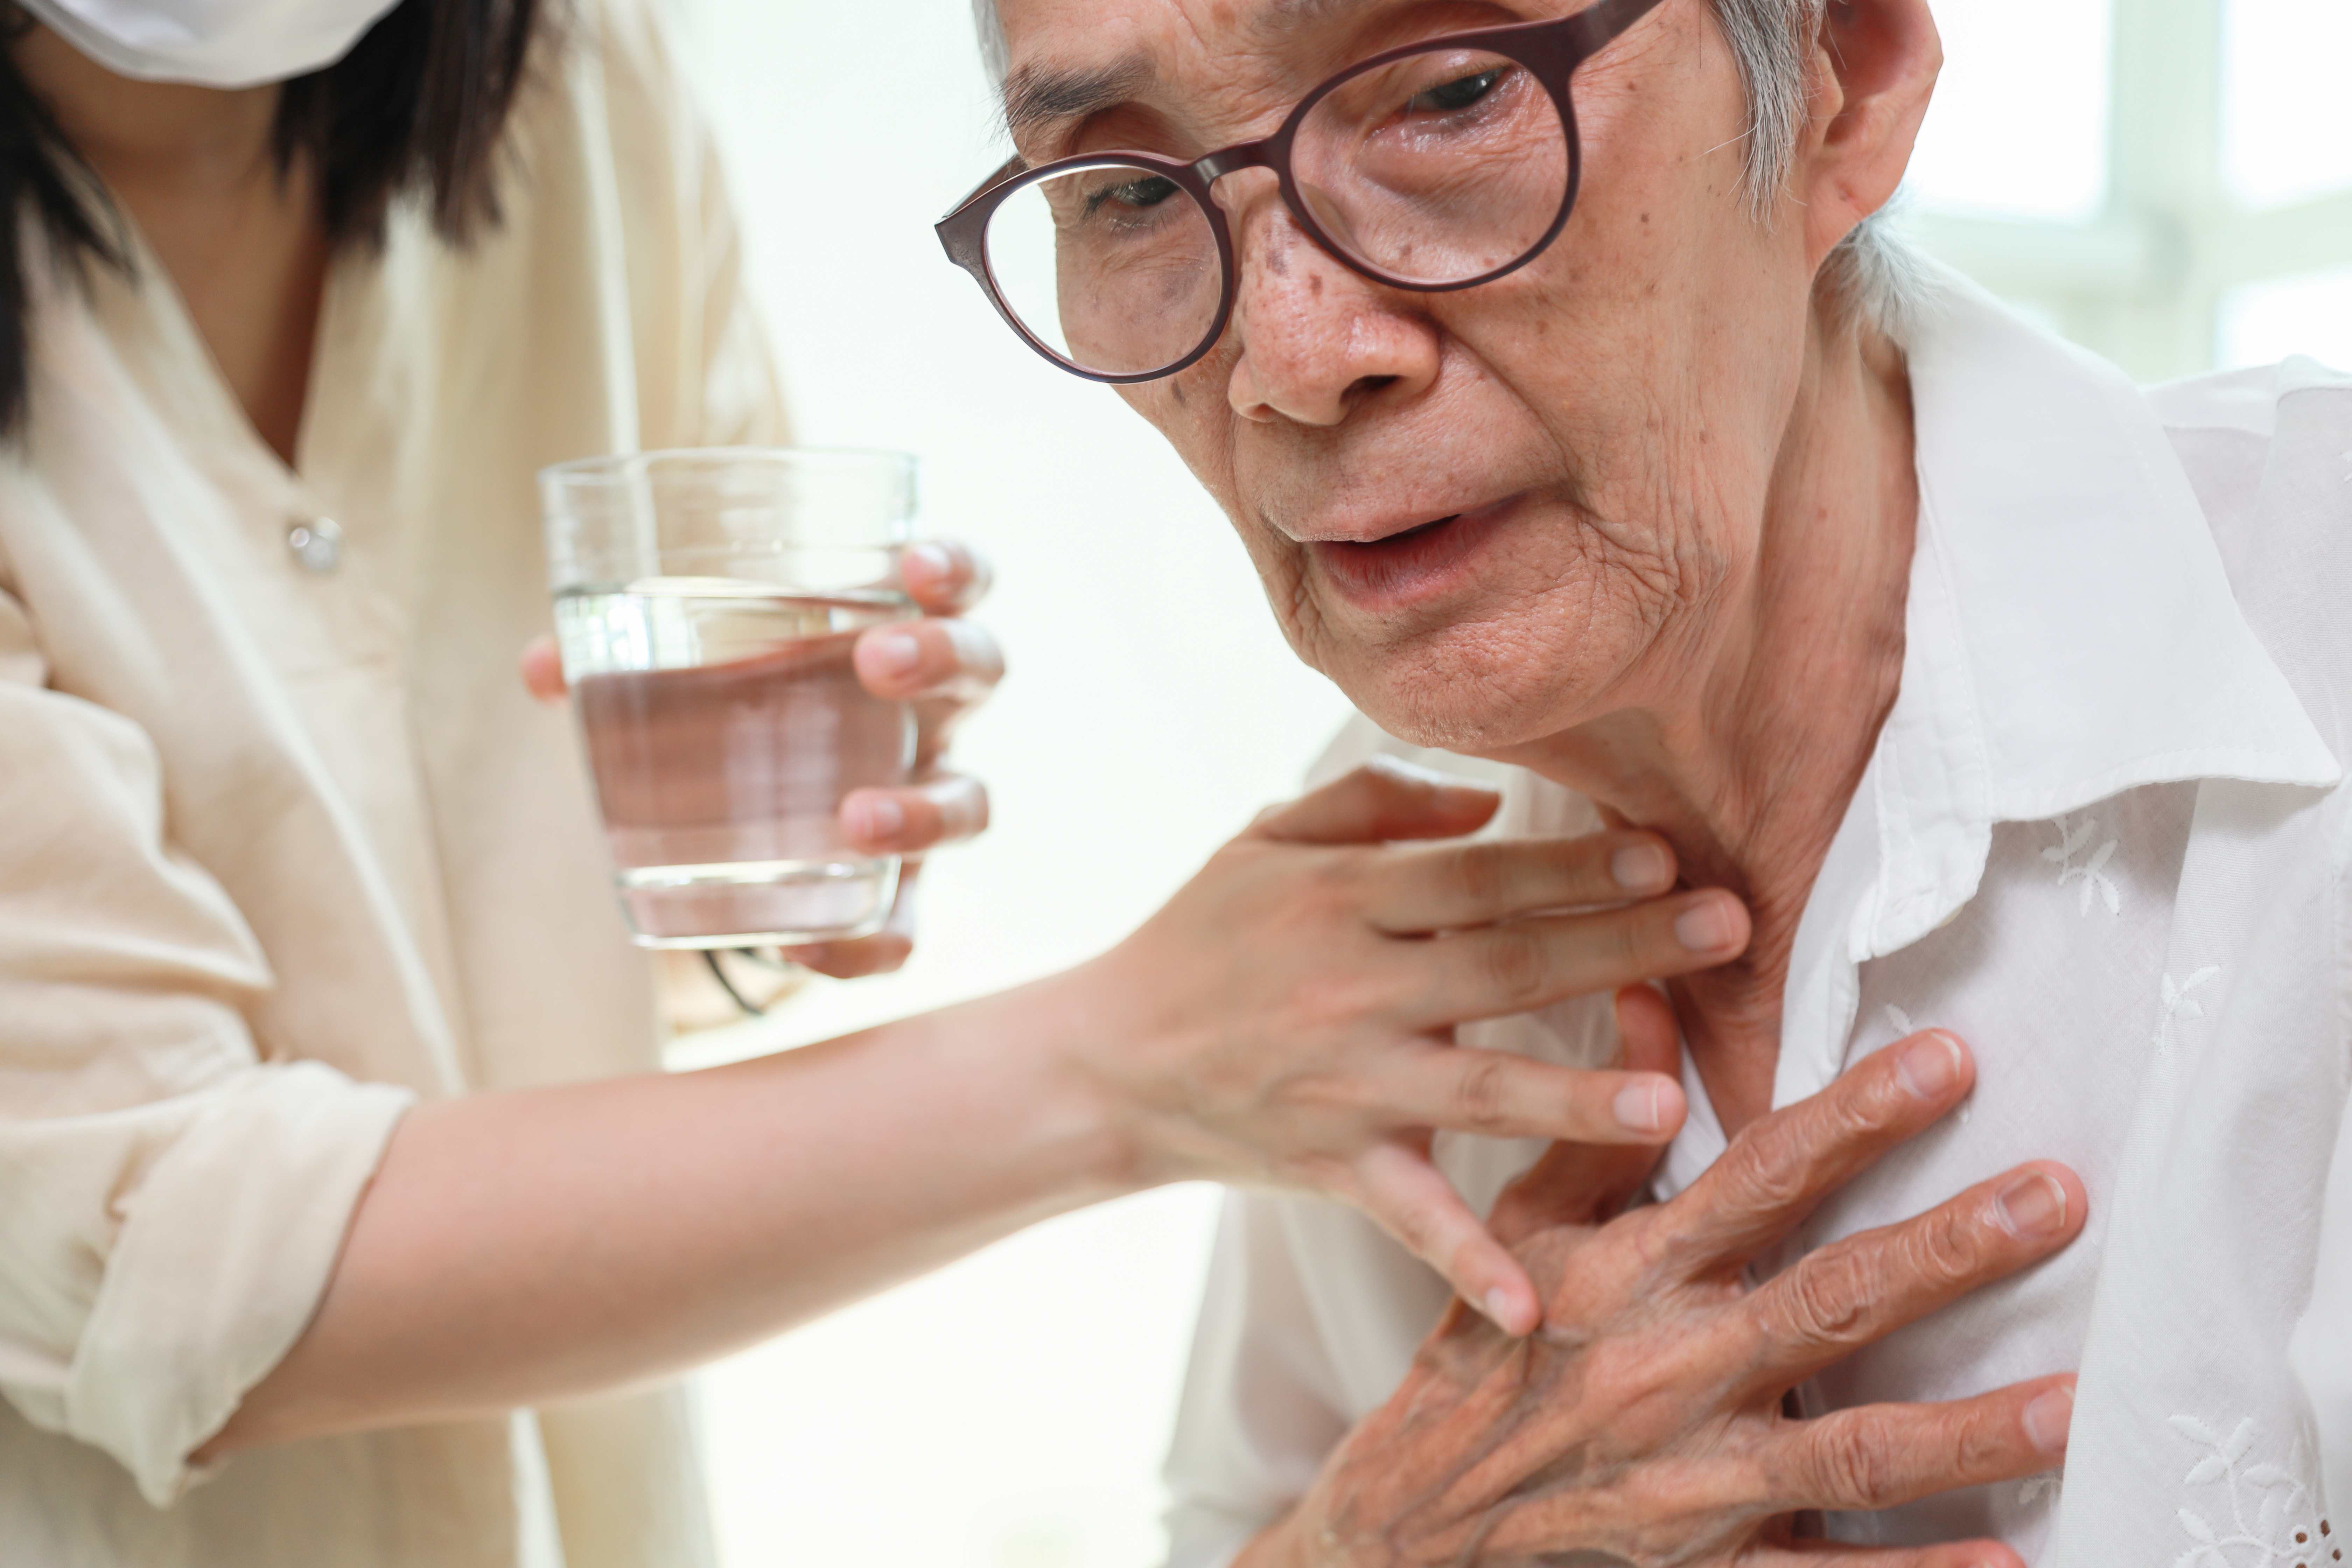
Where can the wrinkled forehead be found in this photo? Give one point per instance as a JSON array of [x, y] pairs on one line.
[[1195, 61]]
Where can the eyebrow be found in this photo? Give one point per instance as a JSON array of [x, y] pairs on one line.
[[1035, 96]]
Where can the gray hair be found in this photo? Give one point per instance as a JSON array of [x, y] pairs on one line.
[[1872, 272]]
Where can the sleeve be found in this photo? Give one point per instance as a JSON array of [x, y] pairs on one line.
[[171, 1204], [2321, 1350], [1260, 1407], [2310, 467], [1311, 1318]]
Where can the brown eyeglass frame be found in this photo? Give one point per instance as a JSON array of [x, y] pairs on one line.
[[1549, 51]]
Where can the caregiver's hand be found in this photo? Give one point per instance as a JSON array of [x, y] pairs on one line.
[[1287, 1018], [944, 666], [1645, 1424]]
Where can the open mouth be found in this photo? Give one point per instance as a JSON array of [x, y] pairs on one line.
[[1420, 561]]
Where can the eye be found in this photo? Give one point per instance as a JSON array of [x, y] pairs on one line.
[[1149, 192], [1459, 93]]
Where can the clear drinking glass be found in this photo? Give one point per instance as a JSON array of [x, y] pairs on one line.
[[707, 603]]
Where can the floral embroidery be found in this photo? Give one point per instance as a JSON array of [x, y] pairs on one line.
[[2271, 1520], [2178, 1004], [2092, 872]]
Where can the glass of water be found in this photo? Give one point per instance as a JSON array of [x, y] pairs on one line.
[[707, 603]]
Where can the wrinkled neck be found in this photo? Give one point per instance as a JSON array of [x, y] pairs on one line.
[[1749, 762]]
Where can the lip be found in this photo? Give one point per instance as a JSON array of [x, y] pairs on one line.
[[1413, 564]]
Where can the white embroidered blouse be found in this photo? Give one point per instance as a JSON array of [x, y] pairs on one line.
[[2101, 837]]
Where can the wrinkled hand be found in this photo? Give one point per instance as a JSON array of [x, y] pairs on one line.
[[945, 666], [1287, 1018], [1645, 1424]]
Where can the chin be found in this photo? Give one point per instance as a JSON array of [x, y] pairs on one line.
[[1467, 694]]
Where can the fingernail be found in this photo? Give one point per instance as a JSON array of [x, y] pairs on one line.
[[1705, 927], [896, 652], [2047, 1418], [1930, 1065], [1498, 1307], [933, 557], [1639, 867], [878, 818], [1638, 1109], [2033, 1206]]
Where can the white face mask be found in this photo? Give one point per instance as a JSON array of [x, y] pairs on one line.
[[212, 43]]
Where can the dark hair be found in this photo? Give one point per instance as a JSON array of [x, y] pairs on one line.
[[417, 107]]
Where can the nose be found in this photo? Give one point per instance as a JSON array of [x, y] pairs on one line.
[[1318, 341]]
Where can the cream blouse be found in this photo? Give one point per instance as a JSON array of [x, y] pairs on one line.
[[284, 845]]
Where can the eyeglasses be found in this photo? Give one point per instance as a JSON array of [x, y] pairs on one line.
[[1441, 165]]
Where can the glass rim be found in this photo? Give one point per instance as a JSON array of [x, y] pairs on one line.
[[612, 468]]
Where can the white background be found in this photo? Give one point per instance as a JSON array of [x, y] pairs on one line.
[[1009, 1412]]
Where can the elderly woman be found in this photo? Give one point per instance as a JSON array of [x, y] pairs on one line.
[[306, 949], [1579, 419]]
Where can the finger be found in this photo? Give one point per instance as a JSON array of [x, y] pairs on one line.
[[1413, 1202], [1475, 884], [905, 660], [883, 953], [948, 809], [1493, 971], [1382, 800], [543, 669], [1881, 1455], [945, 576], [1852, 1292], [1782, 1165], [1582, 1184], [1498, 1094]]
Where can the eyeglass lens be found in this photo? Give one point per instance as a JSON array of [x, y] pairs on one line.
[[1115, 268], [1437, 168]]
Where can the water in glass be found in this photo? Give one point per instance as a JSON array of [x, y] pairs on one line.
[[724, 726]]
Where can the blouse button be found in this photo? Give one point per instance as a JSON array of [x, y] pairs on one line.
[[317, 543]]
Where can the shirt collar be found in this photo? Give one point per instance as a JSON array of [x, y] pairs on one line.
[[2072, 633]]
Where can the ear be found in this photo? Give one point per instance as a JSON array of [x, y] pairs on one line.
[[1873, 68]]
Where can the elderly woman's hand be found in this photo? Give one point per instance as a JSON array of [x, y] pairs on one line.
[[945, 666], [1287, 1018], [1645, 1424]]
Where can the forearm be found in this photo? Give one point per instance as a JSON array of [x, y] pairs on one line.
[[523, 1248]]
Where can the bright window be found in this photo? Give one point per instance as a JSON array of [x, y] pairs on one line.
[[2168, 180], [2017, 132]]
